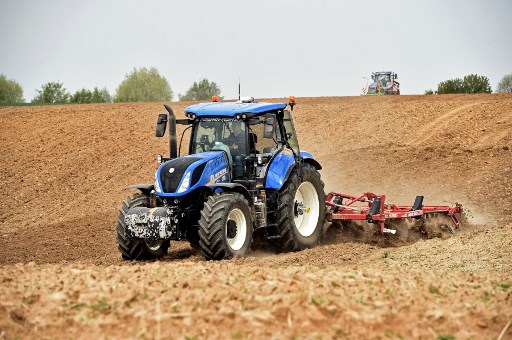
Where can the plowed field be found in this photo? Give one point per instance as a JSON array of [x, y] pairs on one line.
[[63, 171]]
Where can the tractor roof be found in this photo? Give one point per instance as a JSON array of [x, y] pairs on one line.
[[230, 109]]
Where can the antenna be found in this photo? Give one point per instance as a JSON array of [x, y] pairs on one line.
[[238, 88]]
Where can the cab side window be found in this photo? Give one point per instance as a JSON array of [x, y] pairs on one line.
[[261, 144]]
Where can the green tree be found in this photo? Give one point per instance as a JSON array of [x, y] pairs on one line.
[[51, 93], [82, 96], [10, 91], [202, 90], [143, 85], [85, 96], [451, 86], [470, 84], [505, 84], [476, 84], [101, 96]]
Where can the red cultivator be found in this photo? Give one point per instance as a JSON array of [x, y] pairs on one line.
[[343, 207]]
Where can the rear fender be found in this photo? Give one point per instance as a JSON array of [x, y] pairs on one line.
[[279, 169], [282, 165], [308, 159]]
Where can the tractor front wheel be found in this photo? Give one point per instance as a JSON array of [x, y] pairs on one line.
[[133, 249], [225, 227], [301, 211]]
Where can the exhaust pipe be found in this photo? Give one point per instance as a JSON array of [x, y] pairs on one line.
[[173, 148]]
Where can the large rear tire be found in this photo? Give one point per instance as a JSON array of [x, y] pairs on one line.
[[301, 211], [133, 249], [225, 227]]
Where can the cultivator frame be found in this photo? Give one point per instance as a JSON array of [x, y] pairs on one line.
[[342, 207]]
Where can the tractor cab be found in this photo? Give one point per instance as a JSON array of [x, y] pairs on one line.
[[248, 144], [250, 135]]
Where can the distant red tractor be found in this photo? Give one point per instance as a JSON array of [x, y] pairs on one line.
[[384, 83]]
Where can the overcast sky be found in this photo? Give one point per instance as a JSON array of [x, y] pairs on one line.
[[277, 48]]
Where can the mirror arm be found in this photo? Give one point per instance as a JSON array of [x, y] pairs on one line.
[[184, 121]]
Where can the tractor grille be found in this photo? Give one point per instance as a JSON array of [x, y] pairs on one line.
[[170, 181]]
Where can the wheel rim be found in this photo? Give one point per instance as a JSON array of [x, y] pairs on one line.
[[236, 229], [154, 245], [306, 209]]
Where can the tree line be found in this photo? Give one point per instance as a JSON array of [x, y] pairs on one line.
[[140, 85], [472, 83], [147, 85]]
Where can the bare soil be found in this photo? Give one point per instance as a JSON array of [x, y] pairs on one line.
[[64, 170]]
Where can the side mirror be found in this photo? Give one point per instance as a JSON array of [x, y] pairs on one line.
[[270, 125], [161, 124]]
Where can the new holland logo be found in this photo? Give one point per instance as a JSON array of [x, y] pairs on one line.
[[215, 178], [171, 170]]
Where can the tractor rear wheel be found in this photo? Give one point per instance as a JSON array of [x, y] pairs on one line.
[[225, 227], [133, 249], [301, 211]]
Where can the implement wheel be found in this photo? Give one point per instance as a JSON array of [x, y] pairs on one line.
[[225, 227], [133, 249], [301, 211]]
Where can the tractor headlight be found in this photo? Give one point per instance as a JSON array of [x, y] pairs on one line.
[[185, 183], [157, 186]]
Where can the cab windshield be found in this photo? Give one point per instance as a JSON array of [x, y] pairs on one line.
[[382, 78], [220, 134]]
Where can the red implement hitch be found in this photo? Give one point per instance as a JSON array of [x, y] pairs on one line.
[[374, 209]]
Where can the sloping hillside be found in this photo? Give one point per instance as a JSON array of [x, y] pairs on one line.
[[64, 169]]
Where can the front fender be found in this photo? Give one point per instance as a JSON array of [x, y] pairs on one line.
[[144, 188], [234, 187]]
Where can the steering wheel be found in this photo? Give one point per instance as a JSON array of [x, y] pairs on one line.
[[205, 143]]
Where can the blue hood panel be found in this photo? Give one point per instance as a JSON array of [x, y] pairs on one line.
[[203, 169]]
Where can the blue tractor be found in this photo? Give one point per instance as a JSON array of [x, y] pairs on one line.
[[245, 178]]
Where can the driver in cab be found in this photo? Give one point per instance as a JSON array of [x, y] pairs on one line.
[[236, 141]]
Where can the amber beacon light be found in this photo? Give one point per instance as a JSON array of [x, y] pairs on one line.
[[291, 102]]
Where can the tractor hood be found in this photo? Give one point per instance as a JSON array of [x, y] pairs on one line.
[[179, 176]]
